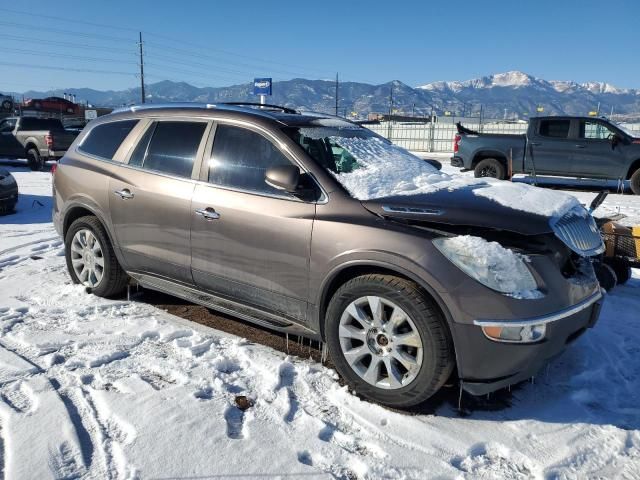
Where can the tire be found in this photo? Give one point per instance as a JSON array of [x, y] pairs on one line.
[[606, 276], [433, 365], [634, 182], [490, 167], [35, 161], [620, 267], [113, 278]]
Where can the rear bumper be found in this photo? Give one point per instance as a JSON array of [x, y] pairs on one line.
[[486, 365], [457, 162]]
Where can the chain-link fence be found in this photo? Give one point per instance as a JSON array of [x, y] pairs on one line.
[[438, 136]]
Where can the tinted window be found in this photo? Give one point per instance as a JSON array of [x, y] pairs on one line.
[[173, 147], [555, 128], [31, 123], [104, 140], [240, 158], [594, 130], [141, 149]]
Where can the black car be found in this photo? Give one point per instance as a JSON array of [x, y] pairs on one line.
[[8, 192]]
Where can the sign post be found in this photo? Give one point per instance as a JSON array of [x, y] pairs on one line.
[[262, 87]]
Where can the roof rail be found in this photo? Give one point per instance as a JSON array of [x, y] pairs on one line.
[[263, 105]]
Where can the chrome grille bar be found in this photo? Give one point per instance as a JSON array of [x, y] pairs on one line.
[[579, 232]]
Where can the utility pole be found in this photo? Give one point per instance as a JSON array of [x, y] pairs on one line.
[[336, 94], [141, 71]]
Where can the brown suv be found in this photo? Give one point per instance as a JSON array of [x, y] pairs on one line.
[[310, 224]]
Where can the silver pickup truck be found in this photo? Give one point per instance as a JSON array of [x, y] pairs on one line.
[[36, 139], [581, 147]]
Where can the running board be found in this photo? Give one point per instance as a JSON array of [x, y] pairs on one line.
[[220, 304]]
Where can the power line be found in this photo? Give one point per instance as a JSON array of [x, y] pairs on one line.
[[64, 55], [67, 32], [65, 44], [66, 19], [65, 69]]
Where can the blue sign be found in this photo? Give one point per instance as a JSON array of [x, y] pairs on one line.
[[262, 86]]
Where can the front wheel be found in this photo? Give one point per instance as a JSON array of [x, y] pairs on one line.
[[91, 260], [388, 340]]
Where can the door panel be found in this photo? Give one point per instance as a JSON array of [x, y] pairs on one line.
[[152, 227], [256, 251], [593, 155], [551, 149]]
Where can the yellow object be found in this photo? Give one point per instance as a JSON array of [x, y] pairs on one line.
[[593, 114], [635, 231]]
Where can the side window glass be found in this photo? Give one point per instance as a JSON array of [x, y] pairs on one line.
[[173, 147], [594, 130], [104, 140], [555, 128], [240, 159], [141, 149]]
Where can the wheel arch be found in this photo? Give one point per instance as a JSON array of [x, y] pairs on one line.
[[342, 274], [635, 165], [78, 210], [482, 154]]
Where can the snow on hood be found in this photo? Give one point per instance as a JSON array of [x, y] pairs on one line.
[[386, 170]]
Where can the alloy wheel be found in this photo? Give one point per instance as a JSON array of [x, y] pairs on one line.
[[380, 342], [87, 258]]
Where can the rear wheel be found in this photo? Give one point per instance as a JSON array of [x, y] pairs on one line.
[[388, 340], [490, 167], [635, 182], [621, 267], [35, 161], [91, 260]]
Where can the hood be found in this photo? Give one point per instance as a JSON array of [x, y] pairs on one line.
[[459, 207]]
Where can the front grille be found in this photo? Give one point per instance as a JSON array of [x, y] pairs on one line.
[[579, 232]]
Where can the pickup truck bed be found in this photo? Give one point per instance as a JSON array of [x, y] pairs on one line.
[[37, 139]]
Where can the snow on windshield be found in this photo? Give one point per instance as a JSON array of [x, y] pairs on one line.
[[385, 170]]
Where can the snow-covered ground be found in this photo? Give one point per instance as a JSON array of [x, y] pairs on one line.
[[92, 388]]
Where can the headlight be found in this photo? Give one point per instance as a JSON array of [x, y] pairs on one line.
[[491, 264]]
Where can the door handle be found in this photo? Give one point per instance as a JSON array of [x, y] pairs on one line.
[[208, 213], [580, 146], [535, 144], [124, 194]]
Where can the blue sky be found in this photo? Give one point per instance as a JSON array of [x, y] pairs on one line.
[[227, 42]]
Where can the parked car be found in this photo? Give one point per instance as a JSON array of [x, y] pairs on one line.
[[36, 139], [53, 104], [8, 192], [583, 147], [310, 224], [6, 103]]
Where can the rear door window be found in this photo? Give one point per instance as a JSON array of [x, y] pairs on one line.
[[32, 123], [104, 140], [555, 128], [169, 147]]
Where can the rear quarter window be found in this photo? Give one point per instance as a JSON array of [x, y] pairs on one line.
[[104, 140], [555, 128]]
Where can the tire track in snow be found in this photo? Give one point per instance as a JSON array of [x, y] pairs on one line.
[[80, 422]]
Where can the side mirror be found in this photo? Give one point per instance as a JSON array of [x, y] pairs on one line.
[[283, 177]]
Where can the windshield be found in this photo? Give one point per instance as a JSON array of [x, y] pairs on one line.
[[367, 165]]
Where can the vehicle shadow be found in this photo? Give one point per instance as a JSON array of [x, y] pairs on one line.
[[29, 209], [563, 392]]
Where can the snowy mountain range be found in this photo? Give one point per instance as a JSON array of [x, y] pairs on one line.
[[515, 93]]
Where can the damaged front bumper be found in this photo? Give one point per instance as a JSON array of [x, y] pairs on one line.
[[487, 365]]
